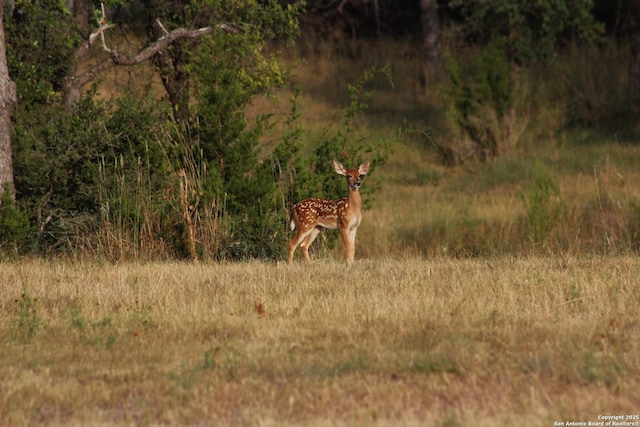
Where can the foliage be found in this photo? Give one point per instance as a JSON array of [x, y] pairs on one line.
[[14, 225], [79, 171], [53, 149], [532, 29], [55, 162], [39, 49], [292, 170], [481, 95], [361, 18], [136, 185], [508, 39], [118, 169], [231, 69], [250, 23], [125, 180]]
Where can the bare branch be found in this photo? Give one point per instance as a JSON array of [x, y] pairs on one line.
[[93, 36], [229, 28], [158, 45], [103, 25], [75, 83], [162, 26], [127, 60]]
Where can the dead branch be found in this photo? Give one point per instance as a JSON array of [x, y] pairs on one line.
[[116, 58], [75, 83]]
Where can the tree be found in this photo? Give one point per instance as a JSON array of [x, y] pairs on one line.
[[79, 167], [8, 100], [260, 20], [431, 41], [531, 29], [91, 32], [174, 29]]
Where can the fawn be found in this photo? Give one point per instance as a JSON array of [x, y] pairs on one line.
[[312, 215]]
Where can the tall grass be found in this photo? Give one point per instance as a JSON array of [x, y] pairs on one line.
[[143, 217], [508, 207], [385, 342]]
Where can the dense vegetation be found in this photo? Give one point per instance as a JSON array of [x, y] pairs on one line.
[[136, 170]]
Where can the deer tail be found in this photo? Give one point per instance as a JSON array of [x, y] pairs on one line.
[[292, 222]]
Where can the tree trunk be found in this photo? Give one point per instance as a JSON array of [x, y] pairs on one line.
[[172, 65], [431, 42], [634, 52], [172, 61], [8, 100], [72, 83]]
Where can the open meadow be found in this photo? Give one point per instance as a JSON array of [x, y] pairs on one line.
[[396, 341]]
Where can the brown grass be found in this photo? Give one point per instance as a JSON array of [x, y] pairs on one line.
[[388, 342]]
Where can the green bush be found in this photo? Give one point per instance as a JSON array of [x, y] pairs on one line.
[[531, 29], [14, 224], [480, 96]]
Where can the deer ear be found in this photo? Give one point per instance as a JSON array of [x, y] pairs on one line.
[[338, 167], [364, 168]]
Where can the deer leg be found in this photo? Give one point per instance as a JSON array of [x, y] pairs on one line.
[[352, 241], [293, 243], [348, 238], [304, 246]]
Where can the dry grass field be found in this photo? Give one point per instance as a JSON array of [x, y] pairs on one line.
[[396, 341]]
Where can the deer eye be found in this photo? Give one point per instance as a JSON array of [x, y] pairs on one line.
[[361, 176], [349, 176]]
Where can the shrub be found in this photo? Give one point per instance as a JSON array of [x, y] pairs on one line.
[[481, 98], [14, 224]]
